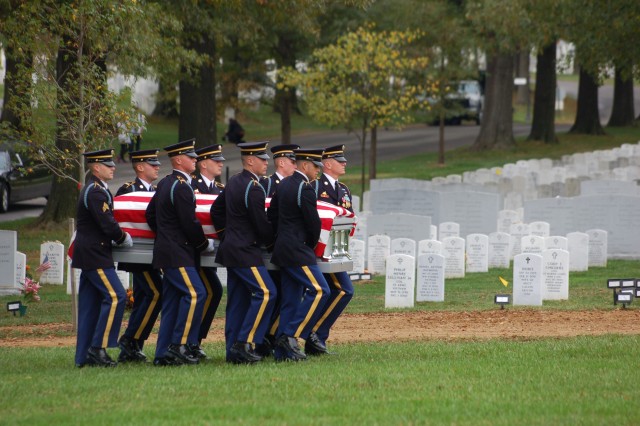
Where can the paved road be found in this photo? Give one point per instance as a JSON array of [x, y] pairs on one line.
[[392, 144]]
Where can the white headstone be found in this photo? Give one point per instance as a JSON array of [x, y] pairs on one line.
[[578, 251], [448, 229], [378, 247], [506, 218], [429, 247], [21, 268], [355, 203], [399, 288], [222, 275], [433, 232], [124, 277], [399, 225], [361, 228], [527, 279], [539, 228], [477, 253], [430, 278], [453, 251], [555, 274], [518, 231], [8, 249], [52, 252], [556, 242], [532, 244], [403, 246], [499, 250], [597, 247], [356, 249]]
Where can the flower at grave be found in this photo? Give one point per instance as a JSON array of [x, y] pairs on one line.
[[30, 289], [129, 304]]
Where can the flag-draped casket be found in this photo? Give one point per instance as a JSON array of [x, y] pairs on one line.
[[129, 210]]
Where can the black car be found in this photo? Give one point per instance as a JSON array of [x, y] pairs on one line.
[[20, 177]]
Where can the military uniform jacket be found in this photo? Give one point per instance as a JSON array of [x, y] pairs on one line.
[[129, 187], [270, 183], [96, 227], [199, 187], [241, 223], [294, 213], [171, 214], [339, 196]]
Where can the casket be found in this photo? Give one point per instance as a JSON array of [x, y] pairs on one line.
[[332, 250]]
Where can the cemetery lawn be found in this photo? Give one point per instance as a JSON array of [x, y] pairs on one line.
[[581, 380]]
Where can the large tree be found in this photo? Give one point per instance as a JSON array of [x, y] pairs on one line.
[[63, 102], [363, 81]]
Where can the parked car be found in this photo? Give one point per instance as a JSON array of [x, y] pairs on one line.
[[20, 177], [465, 103]]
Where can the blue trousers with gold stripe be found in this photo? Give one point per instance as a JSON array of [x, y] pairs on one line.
[[183, 297], [304, 294], [101, 302], [341, 294], [251, 295], [213, 286], [147, 301]]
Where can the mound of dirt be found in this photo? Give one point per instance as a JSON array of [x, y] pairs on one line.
[[403, 326]]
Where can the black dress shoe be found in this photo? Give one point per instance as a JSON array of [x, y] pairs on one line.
[[197, 351], [183, 353], [314, 346], [242, 353], [99, 357], [265, 349], [166, 361], [287, 349]]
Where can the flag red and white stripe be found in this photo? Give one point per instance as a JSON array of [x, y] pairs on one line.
[[129, 211], [46, 264]]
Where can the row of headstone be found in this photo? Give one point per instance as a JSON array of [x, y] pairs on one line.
[[536, 277], [13, 264]]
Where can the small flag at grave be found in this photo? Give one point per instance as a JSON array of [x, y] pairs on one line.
[[503, 281], [46, 264], [70, 251]]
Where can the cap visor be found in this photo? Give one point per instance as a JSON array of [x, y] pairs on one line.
[[109, 163], [154, 163], [191, 154], [263, 156], [340, 159], [318, 163], [221, 158]]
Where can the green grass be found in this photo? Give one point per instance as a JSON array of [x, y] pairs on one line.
[[584, 380]]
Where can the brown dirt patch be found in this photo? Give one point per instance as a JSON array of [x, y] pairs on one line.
[[386, 327]]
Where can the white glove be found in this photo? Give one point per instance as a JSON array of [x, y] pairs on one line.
[[128, 241], [211, 247]]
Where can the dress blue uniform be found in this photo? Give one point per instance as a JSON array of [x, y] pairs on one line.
[[339, 282], [147, 281], [208, 275], [239, 218], [179, 241], [294, 210], [101, 296]]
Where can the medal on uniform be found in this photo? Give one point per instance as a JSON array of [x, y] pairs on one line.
[[324, 195]]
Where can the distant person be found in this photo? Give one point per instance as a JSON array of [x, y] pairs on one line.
[[124, 140], [139, 126], [235, 133]]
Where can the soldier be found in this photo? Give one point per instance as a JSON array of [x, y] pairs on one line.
[[147, 282], [210, 162], [171, 214], [284, 161], [241, 222], [294, 213], [101, 298], [330, 190]]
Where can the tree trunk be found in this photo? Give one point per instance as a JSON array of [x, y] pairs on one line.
[[522, 71], [166, 101], [441, 138], [587, 116], [285, 99], [496, 129], [198, 99], [363, 151], [64, 192], [623, 113], [543, 126], [373, 154]]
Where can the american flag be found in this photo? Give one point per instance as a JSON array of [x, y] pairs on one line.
[[46, 264], [129, 209]]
